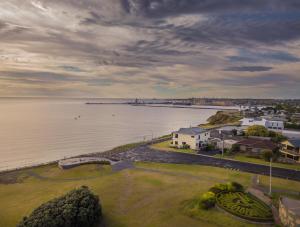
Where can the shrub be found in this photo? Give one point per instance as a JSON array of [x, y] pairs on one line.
[[267, 155], [236, 187], [219, 188], [210, 147], [257, 130], [235, 148], [185, 146], [228, 187], [207, 200], [78, 208]]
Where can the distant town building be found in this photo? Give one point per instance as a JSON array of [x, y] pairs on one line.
[[291, 149], [194, 138], [289, 212], [269, 123]]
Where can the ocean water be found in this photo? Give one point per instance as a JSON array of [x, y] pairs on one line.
[[35, 131]]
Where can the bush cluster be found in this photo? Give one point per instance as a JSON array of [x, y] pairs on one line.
[[228, 187], [207, 200], [78, 208]]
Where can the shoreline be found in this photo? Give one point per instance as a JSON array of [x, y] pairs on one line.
[[105, 154]]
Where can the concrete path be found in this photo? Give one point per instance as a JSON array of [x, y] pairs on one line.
[[147, 154]]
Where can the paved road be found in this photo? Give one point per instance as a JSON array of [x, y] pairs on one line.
[[147, 154]]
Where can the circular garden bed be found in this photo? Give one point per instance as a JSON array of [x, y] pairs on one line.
[[245, 206]]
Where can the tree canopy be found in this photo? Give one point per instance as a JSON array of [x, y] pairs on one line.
[[78, 208], [257, 130]]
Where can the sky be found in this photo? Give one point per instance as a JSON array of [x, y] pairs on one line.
[[150, 48]]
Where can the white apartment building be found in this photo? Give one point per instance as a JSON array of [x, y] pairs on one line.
[[268, 123], [194, 138]]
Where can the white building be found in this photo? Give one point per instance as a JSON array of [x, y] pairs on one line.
[[268, 123], [193, 138]]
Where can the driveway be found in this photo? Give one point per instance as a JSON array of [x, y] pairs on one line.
[[147, 154]]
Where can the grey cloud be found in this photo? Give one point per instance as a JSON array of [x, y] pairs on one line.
[[265, 56], [151, 37], [259, 80], [248, 68]]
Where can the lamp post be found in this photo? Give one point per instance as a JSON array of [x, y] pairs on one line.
[[151, 135], [270, 189], [222, 147]]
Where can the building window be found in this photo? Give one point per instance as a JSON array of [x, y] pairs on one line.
[[176, 142], [176, 135], [183, 143], [193, 136]]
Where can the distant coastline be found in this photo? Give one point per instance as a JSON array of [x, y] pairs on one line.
[[168, 106]]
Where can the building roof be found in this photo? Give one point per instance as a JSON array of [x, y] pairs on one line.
[[258, 143], [191, 131], [295, 142], [292, 205]]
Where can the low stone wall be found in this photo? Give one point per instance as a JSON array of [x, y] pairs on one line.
[[289, 212], [73, 162]]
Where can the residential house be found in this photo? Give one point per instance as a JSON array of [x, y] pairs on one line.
[[226, 144], [269, 123], [291, 149], [194, 138], [256, 146]]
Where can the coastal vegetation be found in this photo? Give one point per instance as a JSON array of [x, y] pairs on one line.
[[222, 118], [261, 131], [78, 208], [158, 191]]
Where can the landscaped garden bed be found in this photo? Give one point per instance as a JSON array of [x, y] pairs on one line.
[[245, 206]]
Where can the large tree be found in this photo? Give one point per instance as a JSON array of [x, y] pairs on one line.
[[78, 208]]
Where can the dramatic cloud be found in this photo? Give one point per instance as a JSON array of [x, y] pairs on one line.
[[248, 69], [150, 48]]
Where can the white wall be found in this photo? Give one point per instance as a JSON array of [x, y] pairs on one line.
[[192, 141], [279, 125]]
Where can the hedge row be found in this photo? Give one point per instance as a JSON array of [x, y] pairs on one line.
[[244, 205]]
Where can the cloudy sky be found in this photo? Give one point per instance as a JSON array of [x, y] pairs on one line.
[[150, 48]]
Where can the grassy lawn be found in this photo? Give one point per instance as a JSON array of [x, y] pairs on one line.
[[150, 195], [165, 146], [244, 158]]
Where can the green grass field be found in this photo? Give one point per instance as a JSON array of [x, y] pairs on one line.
[[165, 146], [244, 158], [149, 195]]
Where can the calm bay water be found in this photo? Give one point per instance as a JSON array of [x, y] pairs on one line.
[[34, 131]]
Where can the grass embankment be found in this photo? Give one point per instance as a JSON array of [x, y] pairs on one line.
[[150, 195], [223, 118], [165, 146], [245, 158]]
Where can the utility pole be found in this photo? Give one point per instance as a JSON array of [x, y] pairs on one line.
[[270, 190], [222, 147]]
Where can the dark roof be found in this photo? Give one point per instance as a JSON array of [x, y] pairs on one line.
[[295, 142], [191, 131], [257, 143]]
